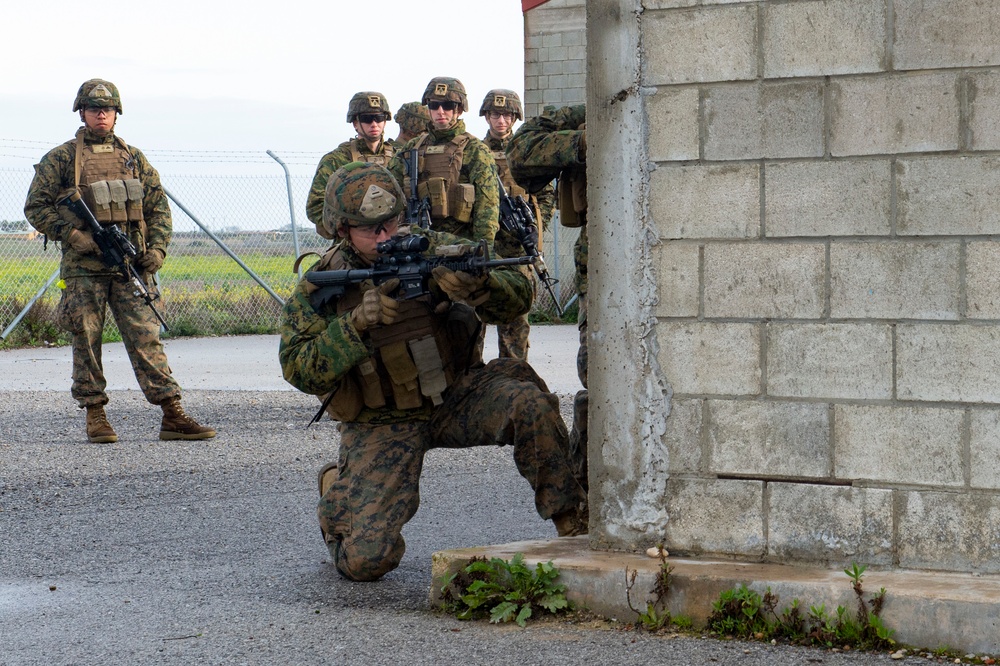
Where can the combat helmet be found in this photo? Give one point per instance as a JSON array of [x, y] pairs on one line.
[[361, 194], [413, 117], [368, 102], [502, 100], [97, 92], [446, 89]]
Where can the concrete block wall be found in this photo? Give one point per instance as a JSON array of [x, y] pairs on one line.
[[814, 324], [555, 54]]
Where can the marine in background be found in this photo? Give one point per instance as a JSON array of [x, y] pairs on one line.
[[120, 187], [368, 112], [412, 119]]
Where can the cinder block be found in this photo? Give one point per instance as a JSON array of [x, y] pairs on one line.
[[765, 280], [894, 280], [770, 119], [809, 522], [673, 124], [829, 361], [898, 445], [982, 275], [769, 439], [943, 33], [707, 358], [984, 110], [888, 114], [984, 449], [948, 195], [715, 516], [949, 363], [683, 436], [835, 198], [690, 46], [677, 277], [679, 201], [949, 531], [823, 38]]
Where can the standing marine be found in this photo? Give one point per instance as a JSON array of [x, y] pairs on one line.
[[404, 376], [121, 188], [502, 108], [455, 170], [412, 119], [554, 145], [368, 112]]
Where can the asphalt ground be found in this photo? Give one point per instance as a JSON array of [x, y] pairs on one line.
[[150, 552]]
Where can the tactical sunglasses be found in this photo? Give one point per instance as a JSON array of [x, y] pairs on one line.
[[447, 106], [368, 118]]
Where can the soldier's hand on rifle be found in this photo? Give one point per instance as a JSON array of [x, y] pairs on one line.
[[152, 260], [82, 242], [461, 287], [377, 307]]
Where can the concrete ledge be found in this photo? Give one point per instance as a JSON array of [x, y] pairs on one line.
[[925, 609]]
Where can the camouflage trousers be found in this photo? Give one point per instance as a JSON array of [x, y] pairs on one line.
[[378, 487], [512, 338], [82, 312]]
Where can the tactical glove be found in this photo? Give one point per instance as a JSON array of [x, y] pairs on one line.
[[377, 307], [152, 260], [82, 242], [461, 287]]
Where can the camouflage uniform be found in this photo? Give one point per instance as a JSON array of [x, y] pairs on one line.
[[91, 286], [412, 119], [553, 145], [376, 490], [349, 151], [478, 169]]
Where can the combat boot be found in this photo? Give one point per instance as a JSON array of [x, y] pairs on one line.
[[99, 430], [574, 522], [178, 425]]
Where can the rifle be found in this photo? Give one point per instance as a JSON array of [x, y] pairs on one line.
[[516, 218], [403, 257], [117, 250], [418, 211]]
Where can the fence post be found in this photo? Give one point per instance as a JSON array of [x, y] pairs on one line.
[[291, 207], [19, 317]]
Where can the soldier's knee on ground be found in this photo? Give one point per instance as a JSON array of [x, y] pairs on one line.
[[366, 566]]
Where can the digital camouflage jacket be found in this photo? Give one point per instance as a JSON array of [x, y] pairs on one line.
[[54, 177], [332, 161]]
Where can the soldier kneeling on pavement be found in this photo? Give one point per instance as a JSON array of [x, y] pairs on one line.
[[405, 378]]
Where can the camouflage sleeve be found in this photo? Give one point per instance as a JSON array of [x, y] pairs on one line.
[[546, 199], [480, 168], [155, 206], [545, 145], [316, 351], [53, 174], [512, 292], [329, 163]]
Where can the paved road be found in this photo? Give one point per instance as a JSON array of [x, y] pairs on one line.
[[149, 552]]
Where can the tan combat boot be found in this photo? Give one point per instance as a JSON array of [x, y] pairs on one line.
[[572, 523], [99, 430], [178, 425]]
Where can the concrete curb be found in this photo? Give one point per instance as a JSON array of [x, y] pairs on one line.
[[925, 609]]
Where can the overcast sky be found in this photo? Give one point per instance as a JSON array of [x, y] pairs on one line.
[[204, 75]]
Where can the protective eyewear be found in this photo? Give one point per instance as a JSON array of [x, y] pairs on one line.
[[497, 115], [368, 118], [447, 106], [390, 226], [98, 109]]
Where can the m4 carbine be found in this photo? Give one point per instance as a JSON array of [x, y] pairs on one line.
[[117, 251]]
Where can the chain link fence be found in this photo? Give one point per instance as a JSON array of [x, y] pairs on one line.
[[231, 258]]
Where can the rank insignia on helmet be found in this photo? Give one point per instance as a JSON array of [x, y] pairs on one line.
[[375, 101], [441, 89], [376, 203], [499, 100], [100, 90]]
